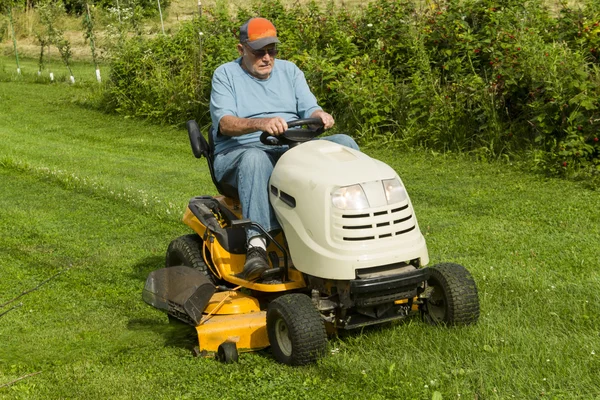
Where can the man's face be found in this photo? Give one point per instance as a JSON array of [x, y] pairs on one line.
[[258, 63]]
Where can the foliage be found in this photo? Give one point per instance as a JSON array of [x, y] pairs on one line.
[[3, 27], [50, 14], [43, 41], [147, 8], [542, 89], [42, 32], [120, 24], [498, 79], [5, 5], [161, 79], [88, 26]]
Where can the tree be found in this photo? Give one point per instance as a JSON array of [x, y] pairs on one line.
[[8, 6], [50, 13]]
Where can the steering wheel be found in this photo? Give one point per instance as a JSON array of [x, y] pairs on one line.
[[294, 137]]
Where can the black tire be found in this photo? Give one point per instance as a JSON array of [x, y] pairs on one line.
[[296, 330], [227, 353], [187, 250], [454, 299]]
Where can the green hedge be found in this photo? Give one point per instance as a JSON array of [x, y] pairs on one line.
[[496, 78], [147, 8]]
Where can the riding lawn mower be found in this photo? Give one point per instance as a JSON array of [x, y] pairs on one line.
[[350, 254]]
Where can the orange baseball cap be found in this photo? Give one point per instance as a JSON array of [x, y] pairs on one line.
[[258, 33]]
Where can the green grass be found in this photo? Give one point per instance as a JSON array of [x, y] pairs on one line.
[[83, 71], [104, 196]]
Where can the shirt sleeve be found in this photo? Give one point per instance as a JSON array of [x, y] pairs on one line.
[[305, 100], [222, 98]]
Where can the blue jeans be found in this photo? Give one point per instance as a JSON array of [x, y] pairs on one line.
[[248, 168]]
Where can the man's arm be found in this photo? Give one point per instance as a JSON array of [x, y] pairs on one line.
[[235, 126]]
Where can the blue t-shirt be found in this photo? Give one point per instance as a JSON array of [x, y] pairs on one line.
[[235, 92]]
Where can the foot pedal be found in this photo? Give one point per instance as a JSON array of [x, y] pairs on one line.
[[270, 273]]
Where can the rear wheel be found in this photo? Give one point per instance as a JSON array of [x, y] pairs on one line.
[[454, 299], [187, 250], [296, 330]]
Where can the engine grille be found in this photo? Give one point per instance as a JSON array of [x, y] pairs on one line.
[[383, 223]]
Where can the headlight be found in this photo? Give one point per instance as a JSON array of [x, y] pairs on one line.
[[350, 198], [394, 191]]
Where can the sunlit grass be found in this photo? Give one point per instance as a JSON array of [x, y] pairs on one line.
[[103, 196]]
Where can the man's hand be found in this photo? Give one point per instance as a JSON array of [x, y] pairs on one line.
[[274, 126], [327, 119]]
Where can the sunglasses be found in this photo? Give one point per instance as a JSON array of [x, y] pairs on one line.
[[262, 52]]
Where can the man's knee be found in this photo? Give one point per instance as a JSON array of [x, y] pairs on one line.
[[255, 160]]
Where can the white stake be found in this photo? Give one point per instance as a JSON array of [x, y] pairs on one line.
[[72, 79], [98, 77], [52, 76]]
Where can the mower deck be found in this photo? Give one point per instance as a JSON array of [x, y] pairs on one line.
[[247, 331], [232, 317]]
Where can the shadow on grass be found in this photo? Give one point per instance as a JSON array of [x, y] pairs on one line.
[[181, 335], [175, 333], [369, 332], [142, 268]]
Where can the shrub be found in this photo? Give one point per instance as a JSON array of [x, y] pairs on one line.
[[493, 78], [147, 8], [164, 79], [536, 92], [3, 27]]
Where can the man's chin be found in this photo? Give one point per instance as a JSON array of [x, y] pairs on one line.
[[263, 73]]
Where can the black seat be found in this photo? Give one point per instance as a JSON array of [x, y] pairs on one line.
[[201, 148]]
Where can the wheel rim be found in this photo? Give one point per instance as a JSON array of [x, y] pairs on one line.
[[437, 304], [282, 334]]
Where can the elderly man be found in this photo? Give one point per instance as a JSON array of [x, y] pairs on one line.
[[255, 94]]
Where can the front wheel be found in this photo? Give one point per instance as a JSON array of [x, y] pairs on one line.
[[296, 330], [453, 300], [227, 353]]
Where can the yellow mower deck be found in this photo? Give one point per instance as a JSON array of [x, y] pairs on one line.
[[233, 317]]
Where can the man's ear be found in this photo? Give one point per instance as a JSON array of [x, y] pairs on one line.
[[240, 49]]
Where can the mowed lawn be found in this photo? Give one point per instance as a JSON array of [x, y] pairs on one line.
[[100, 197]]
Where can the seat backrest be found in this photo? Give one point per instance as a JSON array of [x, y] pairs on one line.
[[200, 147]]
